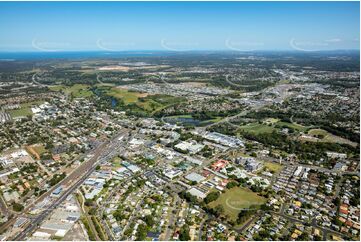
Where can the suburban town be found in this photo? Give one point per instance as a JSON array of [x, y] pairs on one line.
[[215, 143], [167, 159]]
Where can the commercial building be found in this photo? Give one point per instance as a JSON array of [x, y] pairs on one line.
[[194, 177]]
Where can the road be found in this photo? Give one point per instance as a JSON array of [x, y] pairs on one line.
[[324, 230], [70, 184], [134, 213], [248, 222], [235, 84], [3, 207], [200, 232], [37, 220], [98, 79], [283, 93], [36, 82], [172, 217]]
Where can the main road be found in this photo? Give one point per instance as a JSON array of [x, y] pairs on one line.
[[72, 182]]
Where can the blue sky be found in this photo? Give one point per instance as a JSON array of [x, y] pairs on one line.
[[117, 26]]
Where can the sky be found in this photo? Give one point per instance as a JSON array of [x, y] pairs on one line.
[[178, 26]]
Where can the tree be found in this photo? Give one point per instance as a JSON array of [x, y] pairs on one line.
[[232, 184], [184, 233], [149, 220], [142, 232], [17, 207], [218, 210], [212, 196]]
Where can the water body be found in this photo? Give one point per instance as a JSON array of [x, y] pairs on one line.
[[11, 56], [182, 120], [99, 93], [114, 102]]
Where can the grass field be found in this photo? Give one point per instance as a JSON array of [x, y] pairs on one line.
[[40, 149], [236, 199], [20, 112], [180, 116], [116, 162], [149, 105], [328, 137], [190, 118], [273, 166], [24, 110], [271, 120], [140, 101], [209, 121], [257, 128], [162, 101], [271, 124], [125, 95], [294, 126], [77, 90]]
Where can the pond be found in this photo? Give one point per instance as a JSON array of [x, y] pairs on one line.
[[184, 120]]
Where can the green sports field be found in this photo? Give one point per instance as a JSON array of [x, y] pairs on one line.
[[256, 128], [24, 110], [236, 199]]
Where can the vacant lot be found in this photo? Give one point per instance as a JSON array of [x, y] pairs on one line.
[[274, 167], [236, 199], [40, 149]]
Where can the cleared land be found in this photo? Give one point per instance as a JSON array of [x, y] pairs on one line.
[[271, 124], [77, 90], [236, 199], [24, 110], [271, 120], [256, 128], [40, 149], [20, 112], [273, 167], [142, 101], [294, 126], [324, 136], [125, 95], [116, 162], [189, 119], [36, 150]]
